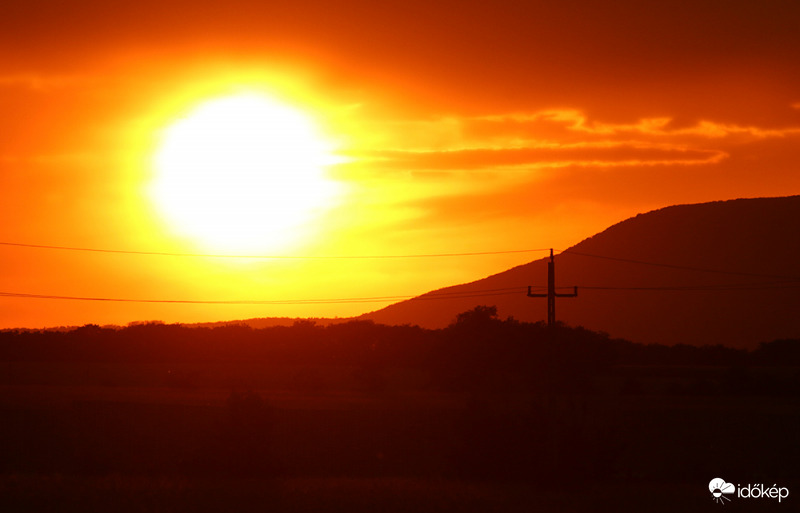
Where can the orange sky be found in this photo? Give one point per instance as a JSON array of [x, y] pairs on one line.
[[466, 127]]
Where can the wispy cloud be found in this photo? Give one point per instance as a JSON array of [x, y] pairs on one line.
[[554, 138], [578, 122], [550, 155]]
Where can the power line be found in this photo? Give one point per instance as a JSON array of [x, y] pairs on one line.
[[376, 299], [204, 302], [287, 257], [788, 281], [425, 297], [397, 256], [680, 267], [710, 288]]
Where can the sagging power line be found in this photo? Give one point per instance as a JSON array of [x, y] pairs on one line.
[[507, 291], [397, 256], [268, 257], [551, 294], [678, 267], [376, 299]]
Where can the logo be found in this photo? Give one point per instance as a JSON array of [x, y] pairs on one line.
[[719, 488]]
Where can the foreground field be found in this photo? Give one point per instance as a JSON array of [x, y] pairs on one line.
[[255, 437], [353, 495]]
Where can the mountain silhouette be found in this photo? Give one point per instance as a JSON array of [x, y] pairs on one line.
[[726, 272]]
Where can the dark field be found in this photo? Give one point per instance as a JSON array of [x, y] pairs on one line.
[[261, 435], [125, 437]]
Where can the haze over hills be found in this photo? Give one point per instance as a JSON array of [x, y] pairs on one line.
[[725, 272]]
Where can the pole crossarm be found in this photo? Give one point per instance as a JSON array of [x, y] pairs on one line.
[[551, 294], [534, 295], [571, 294]]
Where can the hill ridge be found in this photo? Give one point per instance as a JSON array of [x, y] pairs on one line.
[[722, 250]]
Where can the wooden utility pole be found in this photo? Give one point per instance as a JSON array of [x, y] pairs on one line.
[[551, 291]]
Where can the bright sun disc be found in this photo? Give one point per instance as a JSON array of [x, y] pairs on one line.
[[242, 172]]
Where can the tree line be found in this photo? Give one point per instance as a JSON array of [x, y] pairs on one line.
[[477, 340]]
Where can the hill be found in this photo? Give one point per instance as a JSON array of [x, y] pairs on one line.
[[725, 272]]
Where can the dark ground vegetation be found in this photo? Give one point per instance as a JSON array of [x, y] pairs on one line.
[[485, 415]]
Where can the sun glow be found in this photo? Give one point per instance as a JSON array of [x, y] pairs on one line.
[[241, 173]]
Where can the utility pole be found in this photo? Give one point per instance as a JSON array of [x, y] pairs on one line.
[[551, 291]]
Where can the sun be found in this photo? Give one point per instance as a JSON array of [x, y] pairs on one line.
[[242, 172]]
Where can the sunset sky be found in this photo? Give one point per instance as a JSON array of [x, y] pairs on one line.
[[445, 127]]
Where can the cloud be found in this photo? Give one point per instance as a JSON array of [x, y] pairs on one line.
[[547, 139], [553, 155], [718, 130], [578, 122], [718, 485]]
